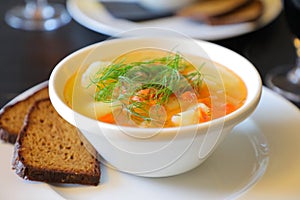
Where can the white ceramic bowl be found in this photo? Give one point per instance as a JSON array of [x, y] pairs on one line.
[[154, 152]]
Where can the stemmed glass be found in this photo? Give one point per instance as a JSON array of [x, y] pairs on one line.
[[285, 80], [37, 15]]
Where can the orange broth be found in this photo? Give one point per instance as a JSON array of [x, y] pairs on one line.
[[221, 93]]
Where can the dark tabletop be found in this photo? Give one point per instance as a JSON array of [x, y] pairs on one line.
[[27, 58]]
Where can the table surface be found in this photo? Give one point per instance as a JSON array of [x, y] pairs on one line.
[[28, 57]]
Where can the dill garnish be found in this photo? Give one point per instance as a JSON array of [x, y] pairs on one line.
[[140, 85]]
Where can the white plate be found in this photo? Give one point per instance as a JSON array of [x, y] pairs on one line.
[[258, 160], [92, 14]]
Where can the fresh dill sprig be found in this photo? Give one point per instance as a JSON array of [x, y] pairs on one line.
[[138, 85], [195, 78]]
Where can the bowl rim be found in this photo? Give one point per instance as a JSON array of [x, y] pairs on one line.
[[230, 119]]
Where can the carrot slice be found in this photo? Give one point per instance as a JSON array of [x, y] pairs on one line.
[[230, 108], [206, 101], [204, 117], [108, 118]]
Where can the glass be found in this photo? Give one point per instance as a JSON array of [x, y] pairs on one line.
[[37, 15], [285, 80]]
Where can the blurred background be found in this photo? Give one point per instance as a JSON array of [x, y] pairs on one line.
[[28, 57]]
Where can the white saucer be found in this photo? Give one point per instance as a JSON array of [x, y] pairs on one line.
[[258, 160], [92, 15]]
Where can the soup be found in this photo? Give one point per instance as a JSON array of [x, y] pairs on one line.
[[154, 88]]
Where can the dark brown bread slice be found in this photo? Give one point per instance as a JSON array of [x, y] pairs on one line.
[[12, 117], [209, 8], [49, 149], [249, 12]]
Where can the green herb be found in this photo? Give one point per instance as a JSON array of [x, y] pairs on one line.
[[138, 85], [196, 79]]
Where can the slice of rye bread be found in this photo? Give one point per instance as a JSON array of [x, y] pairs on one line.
[[12, 116], [209, 8], [49, 149], [249, 12]]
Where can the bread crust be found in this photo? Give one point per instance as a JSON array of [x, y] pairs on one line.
[[28, 172], [209, 8], [224, 12], [249, 12], [7, 134], [39, 174]]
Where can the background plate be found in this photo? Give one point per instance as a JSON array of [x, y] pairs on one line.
[[93, 15]]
